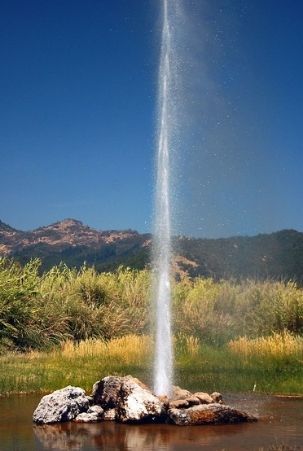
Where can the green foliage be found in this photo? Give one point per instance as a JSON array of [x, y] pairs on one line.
[[40, 311], [219, 311], [18, 292]]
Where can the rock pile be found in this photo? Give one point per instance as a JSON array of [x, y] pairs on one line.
[[127, 400]]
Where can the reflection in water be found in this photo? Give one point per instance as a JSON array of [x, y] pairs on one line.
[[130, 437], [281, 423]]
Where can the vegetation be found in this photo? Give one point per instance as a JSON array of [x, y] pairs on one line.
[[228, 335], [234, 367]]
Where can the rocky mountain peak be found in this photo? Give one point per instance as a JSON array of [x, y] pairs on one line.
[[5, 227], [64, 225]]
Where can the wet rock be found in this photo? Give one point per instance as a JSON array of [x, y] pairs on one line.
[[180, 393], [217, 397], [109, 415], [178, 404], [61, 405], [193, 401], [93, 415], [204, 398], [137, 403], [87, 418], [208, 414], [107, 391]]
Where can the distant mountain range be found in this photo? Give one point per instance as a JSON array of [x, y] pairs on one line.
[[276, 255]]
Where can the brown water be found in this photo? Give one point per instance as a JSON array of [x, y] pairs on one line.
[[280, 427]]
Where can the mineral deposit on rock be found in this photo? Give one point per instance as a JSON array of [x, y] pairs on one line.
[[208, 414], [61, 405]]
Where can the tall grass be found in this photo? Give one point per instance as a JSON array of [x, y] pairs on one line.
[[283, 346], [43, 311]]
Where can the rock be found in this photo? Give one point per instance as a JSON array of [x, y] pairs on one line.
[[217, 397], [93, 415], [180, 393], [61, 405], [204, 398], [97, 410], [126, 399], [137, 403], [164, 400], [208, 414], [107, 391], [110, 415], [178, 404], [90, 400], [87, 418], [193, 401]]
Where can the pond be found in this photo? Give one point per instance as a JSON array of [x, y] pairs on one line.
[[280, 427]]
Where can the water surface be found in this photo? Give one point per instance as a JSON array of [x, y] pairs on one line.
[[280, 424]]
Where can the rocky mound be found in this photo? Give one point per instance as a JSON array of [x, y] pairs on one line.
[[128, 400]]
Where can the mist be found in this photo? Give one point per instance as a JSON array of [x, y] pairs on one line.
[[233, 159]]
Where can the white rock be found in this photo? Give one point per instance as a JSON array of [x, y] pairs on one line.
[[137, 403], [61, 405]]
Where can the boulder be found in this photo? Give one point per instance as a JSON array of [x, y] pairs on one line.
[[126, 399], [107, 391], [204, 398], [193, 401], [180, 393], [93, 415], [137, 403], [208, 414], [178, 404], [217, 397], [61, 405]]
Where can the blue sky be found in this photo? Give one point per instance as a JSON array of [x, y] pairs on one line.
[[78, 88]]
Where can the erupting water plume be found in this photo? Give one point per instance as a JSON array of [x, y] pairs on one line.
[[163, 367]]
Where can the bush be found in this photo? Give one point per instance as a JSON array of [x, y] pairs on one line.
[[40, 311]]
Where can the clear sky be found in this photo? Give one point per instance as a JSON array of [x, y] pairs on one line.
[[78, 85]]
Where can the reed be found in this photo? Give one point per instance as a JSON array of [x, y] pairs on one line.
[[281, 346]]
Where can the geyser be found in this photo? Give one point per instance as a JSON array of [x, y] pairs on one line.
[[162, 252]]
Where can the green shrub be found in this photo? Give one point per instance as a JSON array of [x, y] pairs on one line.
[[40, 311]]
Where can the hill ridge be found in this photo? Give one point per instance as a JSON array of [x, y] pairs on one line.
[[275, 255]]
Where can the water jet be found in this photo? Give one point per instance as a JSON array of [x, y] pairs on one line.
[[163, 363]]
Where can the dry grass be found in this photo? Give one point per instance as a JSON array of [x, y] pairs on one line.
[[130, 349], [281, 346], [187, 345]]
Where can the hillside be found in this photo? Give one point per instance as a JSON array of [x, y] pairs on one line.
[[75, 243], [276, 255]]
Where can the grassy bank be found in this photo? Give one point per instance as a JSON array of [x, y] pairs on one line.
[[272, 365], [76, 326]]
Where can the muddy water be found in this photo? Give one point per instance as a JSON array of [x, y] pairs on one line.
[[280, 425]]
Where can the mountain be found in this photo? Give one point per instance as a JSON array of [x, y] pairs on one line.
[[276, 255], [75, 243]]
